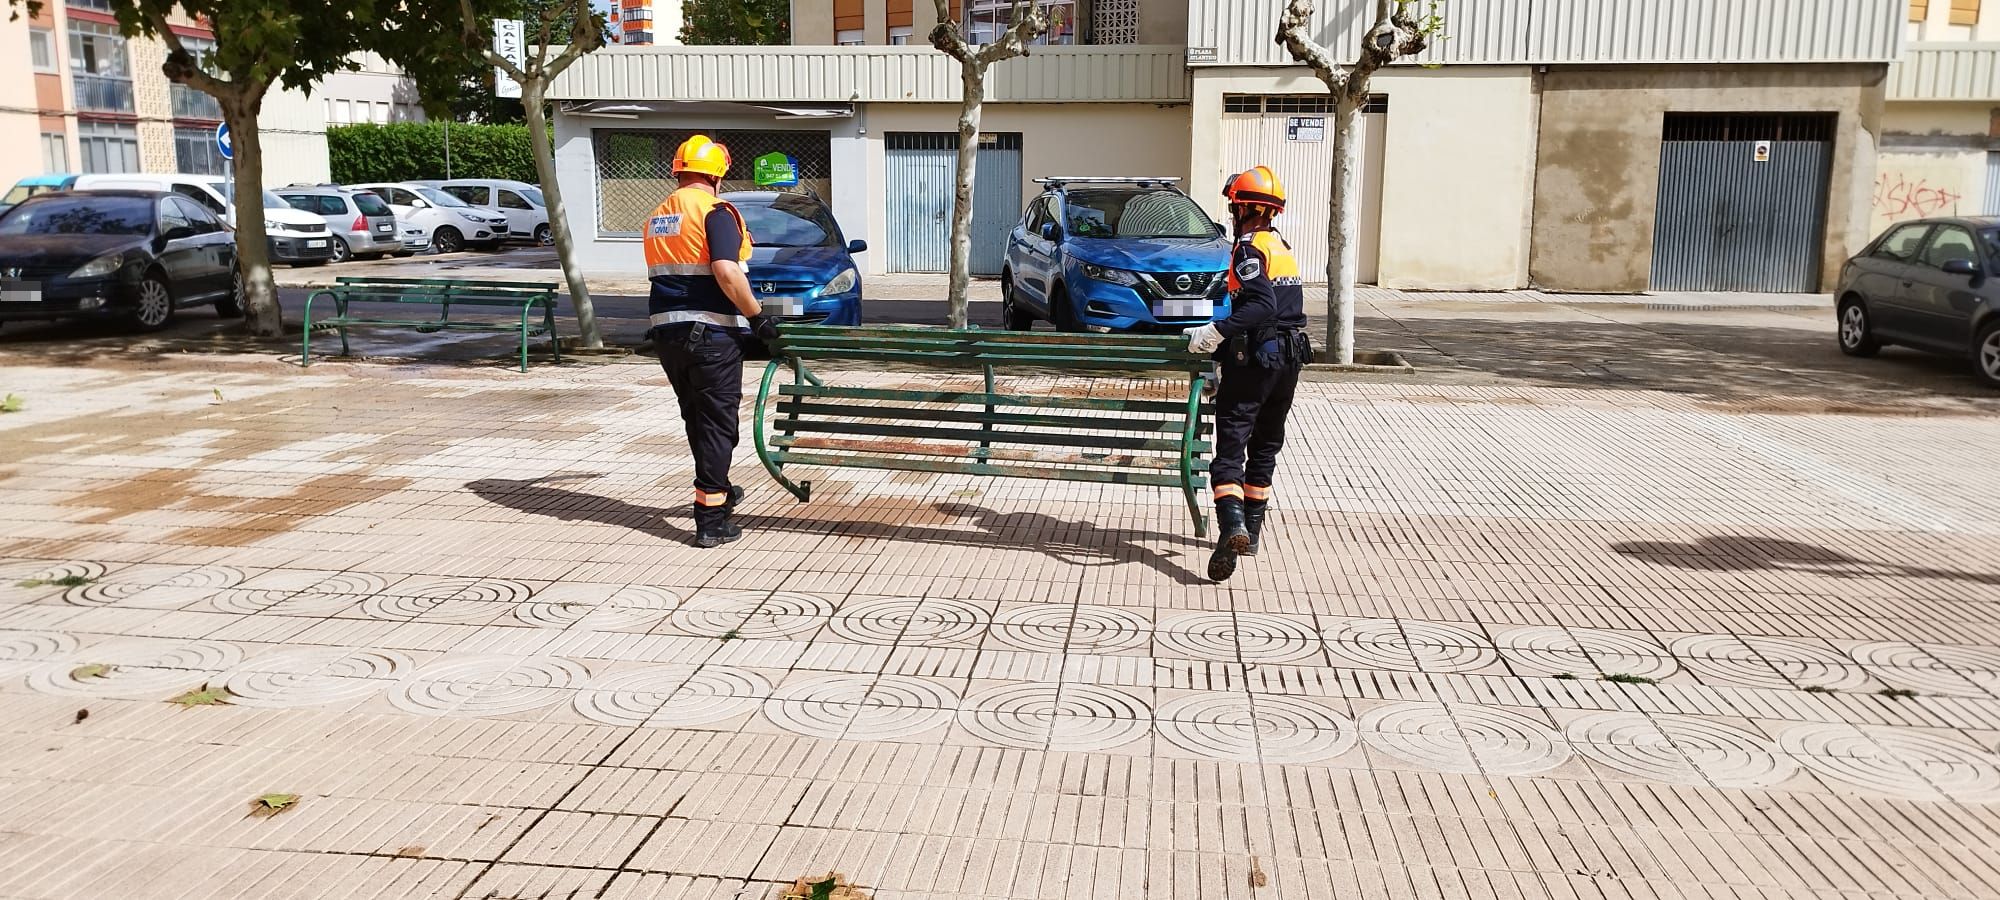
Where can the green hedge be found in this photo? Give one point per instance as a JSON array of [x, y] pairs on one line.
[[405, 151]]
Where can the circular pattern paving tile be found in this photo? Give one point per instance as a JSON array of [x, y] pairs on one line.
[[1909, 666], [1266, 728], [1680, 749], [672, 696], [42, 576], [911, 621], [21, 651], [1544, 651], [1464, 738], [1721, 659], [1026, 716], [1370, 644], [1408, 645], [349, 584], [630, 607], [1221, 637], [439, 587], [751, 614], [1807, 664], [861, 707], [310, 676], [1083, 627], [632, 696], [138, 668], [1898, 762], [487, 685], [155, 587]]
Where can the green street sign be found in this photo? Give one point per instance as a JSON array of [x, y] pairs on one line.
[[775, 170]]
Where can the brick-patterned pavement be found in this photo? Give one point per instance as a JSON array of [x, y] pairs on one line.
[[1516, 639]]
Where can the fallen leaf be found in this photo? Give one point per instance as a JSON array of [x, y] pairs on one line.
[[94, 670], [968, 492], [272, 804], [203, 696], [12, 403], [81, 715], [412, 850], [1257, 877]]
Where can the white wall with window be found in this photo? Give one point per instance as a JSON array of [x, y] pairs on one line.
[[852, 37], [42, 49], [55, 151], [108, 147]]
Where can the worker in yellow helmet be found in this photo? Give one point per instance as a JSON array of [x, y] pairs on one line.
[[702, 309], [1261, 347]]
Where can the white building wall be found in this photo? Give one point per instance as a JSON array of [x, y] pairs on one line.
[[293, 129], [377, 92]]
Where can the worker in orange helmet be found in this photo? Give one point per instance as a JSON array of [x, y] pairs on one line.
[[702, 309], [1261, 348]]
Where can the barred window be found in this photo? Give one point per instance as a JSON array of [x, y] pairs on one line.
[[1240, 103], [634, 168], [1297, 104], [195, 152]]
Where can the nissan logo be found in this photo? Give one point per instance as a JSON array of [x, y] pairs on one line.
[[1184, 282]]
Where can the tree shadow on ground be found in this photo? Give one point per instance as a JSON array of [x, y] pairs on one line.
[[1077, 542], [1731, 553]]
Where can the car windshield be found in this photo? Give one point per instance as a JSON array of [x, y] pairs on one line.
[[789, 221], [442, 199], [80, 215], [24, 191], [228, 189], [371, 205], [534, 195], [1135, 214]]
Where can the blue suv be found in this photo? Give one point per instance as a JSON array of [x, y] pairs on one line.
[[1115, 254]]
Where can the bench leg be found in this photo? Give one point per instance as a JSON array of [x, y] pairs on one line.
[[524, 339], [801, 490], [549, 322], [1187, 456]]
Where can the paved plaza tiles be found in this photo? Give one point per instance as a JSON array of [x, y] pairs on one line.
[[1505, 640]]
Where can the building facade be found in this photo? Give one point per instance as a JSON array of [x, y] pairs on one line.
[[1564, 144], [374, 91], [644, 23], [76, 96], [1941, 125]]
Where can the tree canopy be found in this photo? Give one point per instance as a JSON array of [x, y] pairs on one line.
[[736, 22]]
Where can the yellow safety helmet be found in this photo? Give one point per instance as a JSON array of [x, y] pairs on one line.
[[1257, 187], [701, 155]]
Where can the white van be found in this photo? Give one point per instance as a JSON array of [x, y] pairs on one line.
[[527, 213], [295, 237]]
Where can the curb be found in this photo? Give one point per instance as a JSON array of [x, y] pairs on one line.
[[1368, 362]]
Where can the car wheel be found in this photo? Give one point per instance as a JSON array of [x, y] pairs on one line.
[[544, 236], [230, 306], [1062, 312], [447, 240], [1986, 351], [341, 252], [1857, 333], [1011, 314], [154, 309]]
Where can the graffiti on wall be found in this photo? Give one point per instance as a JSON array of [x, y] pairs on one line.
[[1900, 196]]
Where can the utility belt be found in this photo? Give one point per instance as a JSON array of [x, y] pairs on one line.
[[1270, 348]]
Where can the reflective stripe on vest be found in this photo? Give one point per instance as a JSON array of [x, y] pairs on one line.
[[1279, 264], [692, 316]]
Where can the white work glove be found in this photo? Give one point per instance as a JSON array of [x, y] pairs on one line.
[[1203, 339]]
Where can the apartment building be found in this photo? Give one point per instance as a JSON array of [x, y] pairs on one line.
[[76, 96], [644, 23], [1941, 124], [1566, 144]]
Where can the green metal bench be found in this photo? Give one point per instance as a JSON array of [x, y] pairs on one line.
[[1156, 441], [443, 293]]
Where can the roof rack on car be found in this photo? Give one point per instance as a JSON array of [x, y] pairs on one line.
[[1061, 180]]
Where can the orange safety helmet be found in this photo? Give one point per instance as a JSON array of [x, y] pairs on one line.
[[1257, 187], [700, 155]]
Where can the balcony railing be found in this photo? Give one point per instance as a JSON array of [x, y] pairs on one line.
[[192, 104], [102, 93], [639, 14]]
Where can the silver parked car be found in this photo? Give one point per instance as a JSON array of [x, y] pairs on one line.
[[362, 224], [1931, 284]]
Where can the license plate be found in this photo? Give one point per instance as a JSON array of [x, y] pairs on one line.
[[21, 292], [315, 245], [1185, 309], [385, 228], [785, 306]]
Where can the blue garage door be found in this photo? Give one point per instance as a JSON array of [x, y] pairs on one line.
[[919, 200]]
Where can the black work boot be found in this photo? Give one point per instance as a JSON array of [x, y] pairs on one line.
[[1235, 539], [1253, 522], [712, 527]]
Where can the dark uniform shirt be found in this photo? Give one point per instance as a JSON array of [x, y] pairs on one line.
[[1264, 286]]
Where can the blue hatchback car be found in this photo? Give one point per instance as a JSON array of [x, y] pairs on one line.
[[35, 184], [1118, 254], [801, 267]]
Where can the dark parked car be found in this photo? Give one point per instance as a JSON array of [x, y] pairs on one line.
[[1931, 284], [135, 255]]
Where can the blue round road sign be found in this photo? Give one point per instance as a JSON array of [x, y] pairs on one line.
[[222, 142]]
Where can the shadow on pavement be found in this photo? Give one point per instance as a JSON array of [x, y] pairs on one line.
[[1075, 542], [1726, 553]]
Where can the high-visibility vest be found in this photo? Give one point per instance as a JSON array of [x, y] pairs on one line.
[[677, 258], [1279, 264]]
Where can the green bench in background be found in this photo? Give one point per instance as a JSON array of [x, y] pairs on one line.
[[535, 301], [1116, 440]]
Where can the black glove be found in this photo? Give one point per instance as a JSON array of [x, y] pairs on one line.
[[763, 328]]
